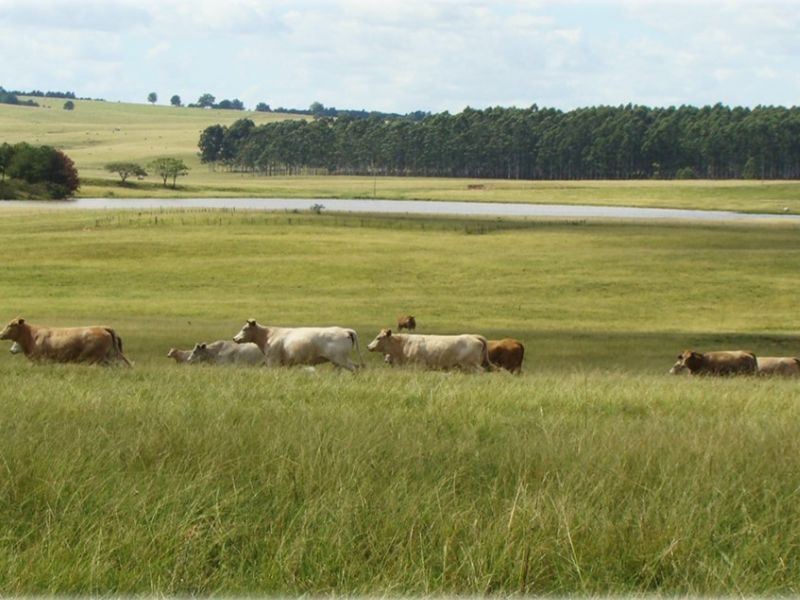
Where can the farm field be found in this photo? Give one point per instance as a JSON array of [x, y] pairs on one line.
[[594, 472], [97, 132]]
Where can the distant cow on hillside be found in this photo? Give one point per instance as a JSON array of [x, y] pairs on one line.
[[406, 322]]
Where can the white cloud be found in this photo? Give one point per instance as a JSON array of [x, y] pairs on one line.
[[409, 55]]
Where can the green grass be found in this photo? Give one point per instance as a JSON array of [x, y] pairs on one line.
[[96, 133], [592, 473]]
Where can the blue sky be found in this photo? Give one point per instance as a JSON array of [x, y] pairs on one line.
[[407, 55]]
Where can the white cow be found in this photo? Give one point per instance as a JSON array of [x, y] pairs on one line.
[[468, 352], [225, 352], [287, 346], [778, 365]]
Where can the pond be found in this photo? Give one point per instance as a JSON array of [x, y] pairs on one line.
[[424, 207]]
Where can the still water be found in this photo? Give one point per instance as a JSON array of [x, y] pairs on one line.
[[497, 209]]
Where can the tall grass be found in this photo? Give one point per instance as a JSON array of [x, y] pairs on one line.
[[191, 481], [592, 473]]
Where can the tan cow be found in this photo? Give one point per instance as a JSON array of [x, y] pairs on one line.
[[406, 322], [778, 365], [94, 345], [507, 354], [226, 352], [466, 351], [722, 362], [288, 346], [180, 356]]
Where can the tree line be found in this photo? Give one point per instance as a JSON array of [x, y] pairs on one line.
[[604, 142]]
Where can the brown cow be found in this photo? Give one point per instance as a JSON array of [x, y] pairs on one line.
[[778, 365], [506, 354], [406, 322], [723, 362], [94, 345]]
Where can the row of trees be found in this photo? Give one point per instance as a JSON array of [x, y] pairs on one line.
[[624, 142], [28, 171], [166, 168], [204, 101]]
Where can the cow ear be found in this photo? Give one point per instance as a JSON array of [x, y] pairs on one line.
[[251, 322], [21, 321], [388, 333]]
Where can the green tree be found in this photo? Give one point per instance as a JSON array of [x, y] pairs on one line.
[[206, 101], [167, 168], [210, 143], [152, 97], [750, 170], [125, 170], [6, 152], [69, 105], [175, 100], [44, 165]]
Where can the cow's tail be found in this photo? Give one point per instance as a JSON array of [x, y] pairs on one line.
[[117, 343], [354, 340]]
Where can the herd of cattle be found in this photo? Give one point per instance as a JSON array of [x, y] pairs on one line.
[[257, 344]]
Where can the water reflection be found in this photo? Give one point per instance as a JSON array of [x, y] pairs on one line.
[[427, 207]]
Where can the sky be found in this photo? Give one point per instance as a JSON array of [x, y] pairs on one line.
[[408, 55]]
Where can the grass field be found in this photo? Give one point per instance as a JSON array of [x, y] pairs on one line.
[[96, 133], [592, 473]]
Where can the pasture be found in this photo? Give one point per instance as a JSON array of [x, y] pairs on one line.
[[594, 472]]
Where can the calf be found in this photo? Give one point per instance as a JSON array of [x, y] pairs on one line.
[[722, 362], [180, 356], [406, 322], [225, 352]]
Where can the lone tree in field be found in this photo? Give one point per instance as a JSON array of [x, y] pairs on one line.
[[125, 170], [175, 100], [169, 167], [152, 97]]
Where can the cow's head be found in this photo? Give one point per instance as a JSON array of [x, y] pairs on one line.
[[11, 331], [247, 333], [199, 354], [688, 360], [381, 341]]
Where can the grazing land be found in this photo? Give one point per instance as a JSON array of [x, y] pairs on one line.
[[594, 472], [96, 133]]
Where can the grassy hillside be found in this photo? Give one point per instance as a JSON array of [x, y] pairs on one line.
[[592, 473], [96, 133]]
